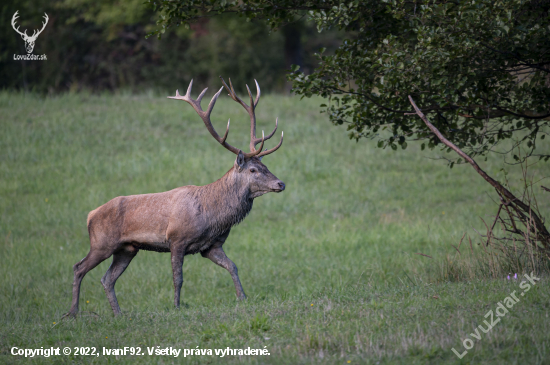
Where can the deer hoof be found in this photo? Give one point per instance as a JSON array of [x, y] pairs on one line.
[[69, 315]]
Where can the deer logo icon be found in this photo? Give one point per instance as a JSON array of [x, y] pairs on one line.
[[29, 40]]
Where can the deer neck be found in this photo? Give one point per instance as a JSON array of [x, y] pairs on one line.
[[226, 202]]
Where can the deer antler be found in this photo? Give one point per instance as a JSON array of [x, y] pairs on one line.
[[205, 115], [13, 19], [36, 33], [251, 111]]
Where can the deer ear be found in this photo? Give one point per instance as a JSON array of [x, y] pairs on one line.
[[239, 162]]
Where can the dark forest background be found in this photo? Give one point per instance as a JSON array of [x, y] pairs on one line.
[[102, 45]]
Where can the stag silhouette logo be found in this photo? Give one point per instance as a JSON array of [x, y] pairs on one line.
[[29, 40]]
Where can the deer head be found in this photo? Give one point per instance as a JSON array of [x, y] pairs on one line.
[[248, 166], [29, 40]]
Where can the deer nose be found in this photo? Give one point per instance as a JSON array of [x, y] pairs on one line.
[[281, 185]]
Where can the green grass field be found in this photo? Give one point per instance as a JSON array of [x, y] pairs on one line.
[[329, 265]]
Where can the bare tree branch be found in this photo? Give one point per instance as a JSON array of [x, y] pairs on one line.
[[523, 210]]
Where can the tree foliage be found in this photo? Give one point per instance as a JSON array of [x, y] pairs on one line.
[[479, 69], [100, 45]]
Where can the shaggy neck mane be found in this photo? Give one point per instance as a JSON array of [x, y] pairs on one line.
[[225, 202]]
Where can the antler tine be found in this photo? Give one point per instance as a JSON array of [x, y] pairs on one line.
[[251, 100], [263, 140], [256, 152], [258, 140], [264, 153], [252, 113], [13, 20], [199, 98], [205, 115], [196, 104], [257, 93], [36, 33], [189, 88], [228, 88], [212, 102], [226, 131], [232, 93]]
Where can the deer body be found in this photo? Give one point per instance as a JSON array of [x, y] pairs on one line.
[[192, 214], [183, 221]]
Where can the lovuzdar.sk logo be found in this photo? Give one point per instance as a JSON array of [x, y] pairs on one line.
[[29, 40]]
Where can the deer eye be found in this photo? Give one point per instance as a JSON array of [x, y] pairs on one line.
[[252, 169]]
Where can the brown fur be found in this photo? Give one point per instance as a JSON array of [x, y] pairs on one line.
[[182, 221]]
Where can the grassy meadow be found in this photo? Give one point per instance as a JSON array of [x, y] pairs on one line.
[[330, 265]]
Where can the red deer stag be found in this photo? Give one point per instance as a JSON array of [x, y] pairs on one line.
[[183, 221]]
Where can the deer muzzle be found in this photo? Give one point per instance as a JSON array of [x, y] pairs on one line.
[[279, 186]]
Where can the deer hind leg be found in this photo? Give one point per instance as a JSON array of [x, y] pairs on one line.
[[81, 268], [218, 256], [121, 260]]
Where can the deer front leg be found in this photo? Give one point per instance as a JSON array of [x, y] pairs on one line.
[[218, 256], [177, 263]]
